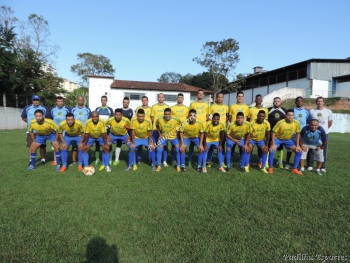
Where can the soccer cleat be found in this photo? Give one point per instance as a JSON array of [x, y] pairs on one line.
[[189, 165], [287, 167], [270, 170], [204, 169], [97, 162], [173, 163], [280, 165], [223, 165], [242, 169], [183, 169], [73, 163], [129, 168], [53, 163], [222, 170], [323, 170], [200, 169], [58, 167], [154, 168], [134, 167], [102, 167], [318, 172], [209, 164], [42, 162], [302, 169], [80, 168], [295, 171], [267, 165], [30, 168], [108, 169], [138, 162], [246, 168], [260, 165], [310, 168], [115, 163], [165, 164], [158, 169], [178, 169], [63, 169], [264, 170], [228, 169]]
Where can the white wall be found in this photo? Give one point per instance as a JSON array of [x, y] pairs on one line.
[[319, 88], [11, 118], [341, 123], [299, 83], [99, 87], [284, 93], [343, 89]]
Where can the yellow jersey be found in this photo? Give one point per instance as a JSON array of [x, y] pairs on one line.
[[235, 108], [147, 112], [157, 112], [169, 128], [258, 130], [222, 109], [191, 130], [253, 113], [95, 130], [202, 109], [141, 128], [180, 112], [284, 130], [213, 132], [46, 128], [76, 129], [119, 128], [239, 131]]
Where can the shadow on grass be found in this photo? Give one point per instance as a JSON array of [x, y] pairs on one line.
[[98, 251]]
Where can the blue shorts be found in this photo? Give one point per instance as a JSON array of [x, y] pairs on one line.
[[42, 138], [196, 141], [70, 139], [257, 143], [214, 144], [122, 138], [230, 144], [140, 142], [91, 141], [165, 142], [286, 143]]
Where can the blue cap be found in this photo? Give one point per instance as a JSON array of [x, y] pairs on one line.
[[35, 97]]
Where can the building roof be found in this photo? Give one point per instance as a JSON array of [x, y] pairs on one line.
[[161, 86], [101, 77]]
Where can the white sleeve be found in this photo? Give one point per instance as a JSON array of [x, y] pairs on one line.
[[330, 115]]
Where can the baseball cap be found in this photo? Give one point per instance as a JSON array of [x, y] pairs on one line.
[[35, 97]]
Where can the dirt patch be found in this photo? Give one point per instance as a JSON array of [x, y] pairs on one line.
[[339, 105]]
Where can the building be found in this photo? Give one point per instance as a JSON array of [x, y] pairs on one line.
[[316, 77], [116, 90], [69, 85]]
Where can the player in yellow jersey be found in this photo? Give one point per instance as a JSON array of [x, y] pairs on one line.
[[167, 128], [239, 106], [118, 131], [238, 133], [157, 112], [141, 135], [282, 134], [260, 129], [214, 137], [46, 129], [69, 131], [191, 131], [95, 131], [253, 111], [220, 108]]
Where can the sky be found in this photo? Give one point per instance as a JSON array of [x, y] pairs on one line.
[[144, 39]]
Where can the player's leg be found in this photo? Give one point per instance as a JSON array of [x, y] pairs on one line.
[[229, 146], [196, 142], [131, 156], [280, 156], [325, 151], [190, 154], [74, 153], [165, 155], [161, 144], [97, 153], [117, 152], [175, 143], [303, 158], [288, 156], [183, 153], [33, 148], [291, 144], [319, 157], [56, 146], [278, 142]]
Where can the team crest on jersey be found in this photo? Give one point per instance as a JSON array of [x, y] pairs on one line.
[[319, 114], [277, 115], [81, 113], [59, 114], [300, 115]]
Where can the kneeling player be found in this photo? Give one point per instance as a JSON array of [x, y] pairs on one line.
[[73, 130], [46, 129], [95, 131]]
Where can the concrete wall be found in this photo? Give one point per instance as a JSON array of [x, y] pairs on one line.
[[319, 88], [99, 87], [284, 94], [343, 89], [341, 123], [11, 118]]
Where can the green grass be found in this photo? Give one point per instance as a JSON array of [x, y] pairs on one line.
[[144, 216]]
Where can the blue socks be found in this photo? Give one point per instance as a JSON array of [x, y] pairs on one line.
[[32, 159]]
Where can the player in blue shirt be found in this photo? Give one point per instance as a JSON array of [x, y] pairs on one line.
[[58, 114], [105, 113], [302, 115], [81, 113], [313, 137], [27, 116]]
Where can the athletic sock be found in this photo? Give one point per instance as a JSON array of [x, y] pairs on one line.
[[58, 158], [32, 159], [80, 157], [117, 153], [64, 157]]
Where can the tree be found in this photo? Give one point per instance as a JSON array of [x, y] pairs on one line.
[[186, 79], [220, 58], [91, 64], [71, 98], [170, 77]]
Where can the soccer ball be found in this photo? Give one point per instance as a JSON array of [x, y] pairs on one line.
[[89, 170]]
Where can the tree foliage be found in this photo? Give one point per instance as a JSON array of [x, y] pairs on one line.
[[170, 77], [71, 97], [220, 58]]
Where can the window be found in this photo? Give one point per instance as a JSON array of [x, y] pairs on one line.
[[134, 96], [170, 97]]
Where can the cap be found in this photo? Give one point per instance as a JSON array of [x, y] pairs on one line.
[[35, 97]]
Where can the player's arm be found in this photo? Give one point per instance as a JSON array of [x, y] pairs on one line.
[[159, 130], [267, 137], [297, 142], [201, 139], [247, 141], [182, 144], [273, 146], [222, 140]]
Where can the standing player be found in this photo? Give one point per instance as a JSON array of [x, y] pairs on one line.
[[277, 113], [81, 113], [192, 131], [214, 137], [27, 116], [239, 106], [157, 112], [119, 132], [46, 129], [126, 111], [141, 135], [105, 113], [167, 128], [95, 131], [58, 114], [254, 111], [302, 115], [282, 134], [313, 137], [73, 130], [325, 119], [238, 133]]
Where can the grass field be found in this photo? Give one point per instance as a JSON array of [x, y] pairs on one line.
[[145, 216]]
